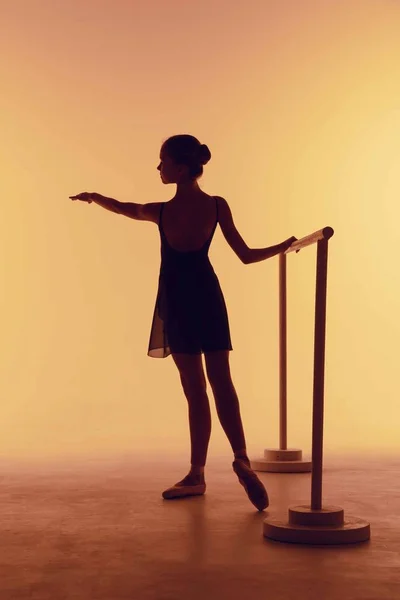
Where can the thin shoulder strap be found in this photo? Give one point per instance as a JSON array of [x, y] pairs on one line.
[[160, 214]]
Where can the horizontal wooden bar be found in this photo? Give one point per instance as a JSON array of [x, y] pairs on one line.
[[322, 234]]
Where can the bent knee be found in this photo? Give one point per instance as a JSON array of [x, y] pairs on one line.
[[191, 374], [218, 370]]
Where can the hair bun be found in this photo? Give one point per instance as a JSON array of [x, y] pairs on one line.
[[205, 154]]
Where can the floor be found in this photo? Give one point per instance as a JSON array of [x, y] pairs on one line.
[[101, 530]]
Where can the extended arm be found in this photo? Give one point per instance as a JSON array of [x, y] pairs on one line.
[[140, 212]]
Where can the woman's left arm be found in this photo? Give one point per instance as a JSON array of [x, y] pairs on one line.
[[140, 212]]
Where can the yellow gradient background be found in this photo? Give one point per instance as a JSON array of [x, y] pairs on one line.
[[299, 103]]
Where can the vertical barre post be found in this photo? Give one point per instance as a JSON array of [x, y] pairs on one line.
[[319, 374], [282, 354]]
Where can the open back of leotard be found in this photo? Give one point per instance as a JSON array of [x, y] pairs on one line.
[[190, 314]]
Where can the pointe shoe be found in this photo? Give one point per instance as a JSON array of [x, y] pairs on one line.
[[181, 491], [189, 486], [255, 489]]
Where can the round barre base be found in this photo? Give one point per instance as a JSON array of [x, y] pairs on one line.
[[282, 461], [322, 527]]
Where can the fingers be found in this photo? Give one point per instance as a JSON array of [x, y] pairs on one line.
[[85, 196], [295, 239]]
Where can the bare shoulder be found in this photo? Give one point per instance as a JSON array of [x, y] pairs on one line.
[[230, 231], [224, 212], [222, 203], [150, 211]]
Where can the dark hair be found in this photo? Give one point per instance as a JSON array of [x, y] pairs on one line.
[[187, 150]]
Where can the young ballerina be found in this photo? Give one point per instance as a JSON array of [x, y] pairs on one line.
[[190, 316]]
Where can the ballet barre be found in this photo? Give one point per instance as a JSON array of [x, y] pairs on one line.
[[313, 523]]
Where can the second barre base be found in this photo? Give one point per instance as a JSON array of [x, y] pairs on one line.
[[321, 527], [289, 460]]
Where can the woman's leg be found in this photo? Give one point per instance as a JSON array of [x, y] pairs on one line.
[[194, 385], [226, 400], [227, 405]]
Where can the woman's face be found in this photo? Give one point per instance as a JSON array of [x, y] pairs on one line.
[[170, 172]]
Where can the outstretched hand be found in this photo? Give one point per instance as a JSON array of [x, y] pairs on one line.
[[86, 197]]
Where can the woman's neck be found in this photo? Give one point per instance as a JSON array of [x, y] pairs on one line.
[[187, 190]]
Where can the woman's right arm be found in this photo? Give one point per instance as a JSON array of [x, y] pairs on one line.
[[247, 255], [259, 254], [230, 232]]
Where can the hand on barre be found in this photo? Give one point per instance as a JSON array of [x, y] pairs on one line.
[[288, 243]]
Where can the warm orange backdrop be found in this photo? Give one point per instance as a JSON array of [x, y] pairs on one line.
[[299, 104]]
